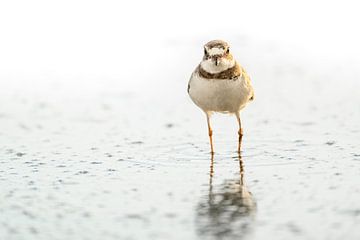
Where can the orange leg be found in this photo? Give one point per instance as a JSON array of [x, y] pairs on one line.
[[210, 133], [240, 132]]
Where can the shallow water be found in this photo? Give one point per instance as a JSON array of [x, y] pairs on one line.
[[101, 161]]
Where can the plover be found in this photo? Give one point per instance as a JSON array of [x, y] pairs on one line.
[[220, 84]]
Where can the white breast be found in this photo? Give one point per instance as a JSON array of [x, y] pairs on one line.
[[219, 95]]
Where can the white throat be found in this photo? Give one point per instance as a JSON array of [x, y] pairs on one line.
[[210, 67]]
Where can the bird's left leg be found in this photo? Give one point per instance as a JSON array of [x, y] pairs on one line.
[[240, 132]]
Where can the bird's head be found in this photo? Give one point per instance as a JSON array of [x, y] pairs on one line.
[[217, 57]]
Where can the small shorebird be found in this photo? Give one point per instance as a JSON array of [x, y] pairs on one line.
[[220, 84]]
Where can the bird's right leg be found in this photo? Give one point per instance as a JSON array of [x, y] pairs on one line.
[[210, 132], [240, 132]]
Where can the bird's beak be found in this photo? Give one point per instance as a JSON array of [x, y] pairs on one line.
[[216, 60]]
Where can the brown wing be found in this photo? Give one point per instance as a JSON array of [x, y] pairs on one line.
[[248, 82]]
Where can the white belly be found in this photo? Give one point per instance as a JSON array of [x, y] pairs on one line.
[[219, 95]]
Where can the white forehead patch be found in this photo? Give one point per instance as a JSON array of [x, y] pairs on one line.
[[216, 51]]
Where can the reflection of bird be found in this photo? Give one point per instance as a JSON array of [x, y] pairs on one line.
[[220, 84], [227, 211]]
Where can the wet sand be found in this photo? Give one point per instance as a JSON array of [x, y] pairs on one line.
[[97, 159]]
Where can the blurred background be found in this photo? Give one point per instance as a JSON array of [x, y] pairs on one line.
[[99, 140], [110, 40]]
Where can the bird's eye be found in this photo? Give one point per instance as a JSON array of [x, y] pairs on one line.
[[205, 52], [227, 51]]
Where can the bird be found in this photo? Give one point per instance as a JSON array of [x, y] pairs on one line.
[[220, 84]]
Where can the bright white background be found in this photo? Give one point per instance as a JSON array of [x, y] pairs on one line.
[[97, 40]]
